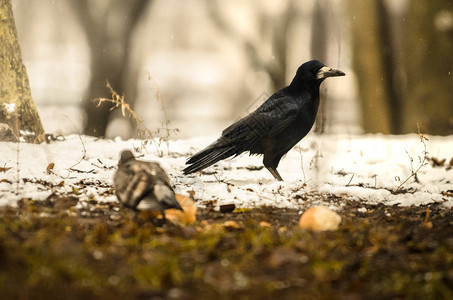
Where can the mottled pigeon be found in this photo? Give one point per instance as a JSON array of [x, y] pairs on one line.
[[143, 185]]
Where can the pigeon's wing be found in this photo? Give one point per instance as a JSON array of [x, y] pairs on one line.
[[163, 191], [154, 169], [133, 182]]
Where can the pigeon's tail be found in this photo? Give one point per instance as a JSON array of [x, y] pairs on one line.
[[209, 156], [165, 199], [165, 195]]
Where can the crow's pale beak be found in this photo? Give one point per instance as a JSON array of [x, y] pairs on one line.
[[325, 72]]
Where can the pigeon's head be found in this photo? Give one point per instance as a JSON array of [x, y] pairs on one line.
[[126, 156], [316, 71]]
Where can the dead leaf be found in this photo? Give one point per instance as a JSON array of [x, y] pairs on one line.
[[283, 256], [4, 169], [448, 193], [282, 229], [61, 184], [254, 168], [265, 224], [191, 193], [427, 223], [438, 162], [6, 180], [240, 210], [231, 225], [320, 218], [423, 137], [123, 110], [149, 215], [50, 168], [215, 227], [188, 216], [450, 164]]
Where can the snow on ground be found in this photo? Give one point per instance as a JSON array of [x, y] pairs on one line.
[[361, 168]]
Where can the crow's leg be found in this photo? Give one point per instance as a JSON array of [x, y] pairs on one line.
[[275, 173], [271, 160]]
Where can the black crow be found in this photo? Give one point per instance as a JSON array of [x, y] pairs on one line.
[[274, 127], [143, 185]]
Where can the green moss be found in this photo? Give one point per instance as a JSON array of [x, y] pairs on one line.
[[241, 210], [92, 256]]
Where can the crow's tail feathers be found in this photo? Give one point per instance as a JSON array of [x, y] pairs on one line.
[[209, 156]]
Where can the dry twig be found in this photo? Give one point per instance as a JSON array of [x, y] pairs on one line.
[[144, 133], [422, 159]]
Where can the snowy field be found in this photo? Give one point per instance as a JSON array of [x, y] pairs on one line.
[[366, 168]]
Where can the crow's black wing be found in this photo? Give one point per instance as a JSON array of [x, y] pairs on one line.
[[270, 119]]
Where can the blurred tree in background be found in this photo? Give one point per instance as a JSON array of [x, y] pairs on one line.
[[219, 53], [17, 108], [109, 27], [404, 65], [372, 59], [325, 34], [428, 62], [273, 37]]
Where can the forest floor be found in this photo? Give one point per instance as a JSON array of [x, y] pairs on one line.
[[63, 234], [61, 248]]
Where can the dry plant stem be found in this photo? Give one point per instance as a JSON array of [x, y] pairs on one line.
[[302, 164], [143, 132], [17, 166], [228, 184], [166, 123], [350, 180], [16, 123], [423, 160], [219, 180], [84, 151]]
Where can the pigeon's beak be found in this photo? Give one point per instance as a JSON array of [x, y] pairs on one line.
[[325, 72]]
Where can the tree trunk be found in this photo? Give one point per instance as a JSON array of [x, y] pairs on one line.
[[17, 108], [109, 31], [370, 59], [318, 50], [428, 63]]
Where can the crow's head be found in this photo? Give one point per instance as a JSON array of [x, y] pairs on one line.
[[314, 70]]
